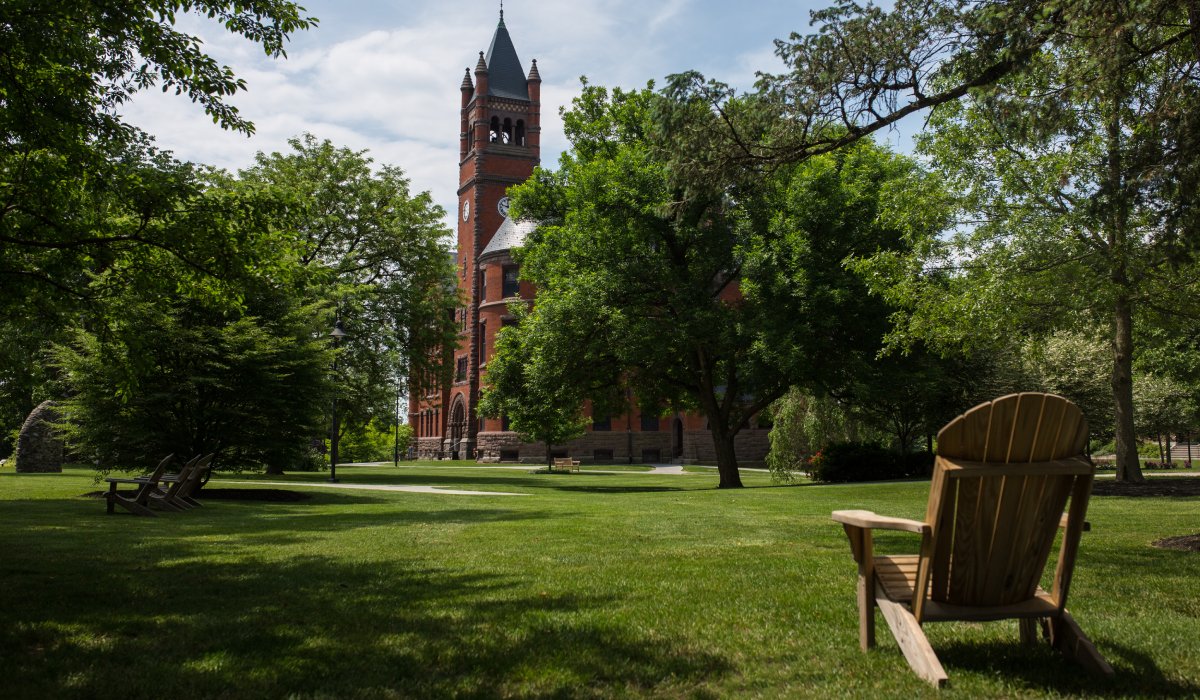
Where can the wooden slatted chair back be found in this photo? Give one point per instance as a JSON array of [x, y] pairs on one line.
[[154, 476], [199, 471], [1004, 473]]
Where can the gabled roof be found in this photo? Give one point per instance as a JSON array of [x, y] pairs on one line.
[[511, 234], [506, 78]]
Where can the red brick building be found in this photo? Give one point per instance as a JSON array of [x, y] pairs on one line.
[[499, 146]]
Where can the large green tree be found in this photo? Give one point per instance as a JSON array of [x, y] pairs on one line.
[[527, 382], [374, 252], [87, 204], [1067, 200], [67, 159], [186, 377], [711, 295], [1100, 94]]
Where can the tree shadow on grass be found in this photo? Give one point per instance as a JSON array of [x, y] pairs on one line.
[[556, 482], [244, 525], [1044, 669], [174, 621]]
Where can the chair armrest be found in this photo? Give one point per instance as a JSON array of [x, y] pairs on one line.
[[867, 519], [1062, 523]]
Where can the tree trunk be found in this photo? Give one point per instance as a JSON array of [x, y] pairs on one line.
[[1129, 467], [1160, 449], [727, 466], [549, 457]]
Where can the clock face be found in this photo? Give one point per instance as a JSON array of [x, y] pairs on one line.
[[502, 206], [466, 210]]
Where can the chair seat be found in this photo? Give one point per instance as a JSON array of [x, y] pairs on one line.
[[896, 577]]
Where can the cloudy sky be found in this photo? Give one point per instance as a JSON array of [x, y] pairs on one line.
[[384, 76]]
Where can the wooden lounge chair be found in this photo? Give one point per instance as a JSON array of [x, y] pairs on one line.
[[171, 498], [139, 503], [197, 476], [1005, 470]]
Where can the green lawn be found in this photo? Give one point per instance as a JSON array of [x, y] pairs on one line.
[[592, 585]]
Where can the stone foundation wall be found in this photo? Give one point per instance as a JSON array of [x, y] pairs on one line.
[[429, 448], [592, 448], [751, 445]]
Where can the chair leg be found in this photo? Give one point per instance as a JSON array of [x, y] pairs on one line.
[[1029, 631], [912, 641], [1067, 637], [866, 610]]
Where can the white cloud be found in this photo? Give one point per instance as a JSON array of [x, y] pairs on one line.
[[386, 78]]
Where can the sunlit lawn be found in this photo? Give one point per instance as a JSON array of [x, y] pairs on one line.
[[591, 585]]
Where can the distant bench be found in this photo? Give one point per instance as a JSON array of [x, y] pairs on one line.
[[566, 464]]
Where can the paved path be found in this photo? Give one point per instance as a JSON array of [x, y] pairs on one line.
[[664, 468], [377, 487]]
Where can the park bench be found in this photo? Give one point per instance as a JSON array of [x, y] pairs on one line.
[[566, 464], [1004, 473]]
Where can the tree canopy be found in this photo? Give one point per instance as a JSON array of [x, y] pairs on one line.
[[708, 295], [80, 185], [1069, 200], [142, 268]]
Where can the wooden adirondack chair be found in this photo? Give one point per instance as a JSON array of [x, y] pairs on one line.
[[1005, 471], [171, 497], [139, 503], [196, 477]]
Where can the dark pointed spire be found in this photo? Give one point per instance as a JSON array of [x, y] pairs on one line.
[[533, 71], [466, 83], [506, 76], [481, 66]]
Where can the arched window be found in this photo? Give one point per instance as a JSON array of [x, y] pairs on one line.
[[494, 134], [520, 135], [507, 131]]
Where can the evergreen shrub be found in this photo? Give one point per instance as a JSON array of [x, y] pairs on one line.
[[845, 462]]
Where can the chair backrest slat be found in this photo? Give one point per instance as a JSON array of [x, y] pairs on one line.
[[993, 528]]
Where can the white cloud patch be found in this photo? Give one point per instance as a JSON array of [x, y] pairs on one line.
[[386, 78]]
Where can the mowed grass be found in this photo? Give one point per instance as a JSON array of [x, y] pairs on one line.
[[591, 585]]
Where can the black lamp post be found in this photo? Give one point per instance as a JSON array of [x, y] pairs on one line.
[[335, 433]]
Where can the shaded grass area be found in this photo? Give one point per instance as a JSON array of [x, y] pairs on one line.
[[594, 585]]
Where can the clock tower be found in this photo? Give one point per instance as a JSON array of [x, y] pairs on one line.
[[499, 137]]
